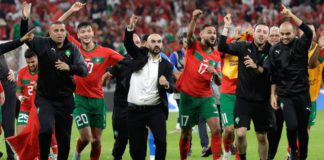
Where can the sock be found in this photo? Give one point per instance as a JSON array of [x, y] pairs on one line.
[[184, 145], [80, 146], [227, 144], [216, 146], [54, 144], [95, 151], [237, 156], [243, 156]]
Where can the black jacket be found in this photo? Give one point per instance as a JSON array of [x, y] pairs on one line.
[[4, 48], [53, 83], [250, 84], [122, 73], [140, 58], [288, 64]]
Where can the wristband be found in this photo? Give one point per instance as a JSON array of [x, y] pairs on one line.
[[20, 98]]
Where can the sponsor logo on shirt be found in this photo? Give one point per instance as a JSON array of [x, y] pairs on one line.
[[68, 53]]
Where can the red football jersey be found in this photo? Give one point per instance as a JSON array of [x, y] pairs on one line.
[[1, 87], [195, 80], [27, 82], [97, 60], [228, 85]]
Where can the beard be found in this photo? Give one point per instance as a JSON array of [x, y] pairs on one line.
[[155, 50], [209, 44]]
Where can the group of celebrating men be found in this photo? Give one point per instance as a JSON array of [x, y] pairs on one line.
[[265, 75]]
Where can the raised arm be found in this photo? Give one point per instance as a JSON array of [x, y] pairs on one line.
[[286, 12], [129, 44], [233, 48], [192, 26], [76, 7], [34, 42], [307, 37]]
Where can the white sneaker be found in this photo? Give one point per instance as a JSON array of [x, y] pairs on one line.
[[76, 156], [52, 156], [227, 155]]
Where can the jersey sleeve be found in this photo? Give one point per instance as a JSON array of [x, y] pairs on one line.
[[193, 46], [73, 40], [113, 58], [1, 88], [19, 84], [321, 56]]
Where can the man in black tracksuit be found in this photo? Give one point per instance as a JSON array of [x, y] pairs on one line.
[[58, 61], [119, 117], [9, 107], [288, 63], [253, 87]]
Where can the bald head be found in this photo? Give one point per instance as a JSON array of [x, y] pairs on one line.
[[287, 32], [154, 43], [274, 35]]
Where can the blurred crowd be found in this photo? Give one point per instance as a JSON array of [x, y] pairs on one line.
[[166, 17]]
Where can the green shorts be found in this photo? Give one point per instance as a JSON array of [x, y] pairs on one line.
[[227, 102], [22, 118], [89, 112], [190, 108], [312, 116]]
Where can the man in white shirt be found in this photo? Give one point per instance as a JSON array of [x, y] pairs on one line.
[[148, 106]]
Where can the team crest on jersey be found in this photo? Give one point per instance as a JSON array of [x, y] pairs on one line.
[[237, 120], [68, 53], [281, 105]]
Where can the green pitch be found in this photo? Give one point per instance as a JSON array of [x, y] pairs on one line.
[[316, 142]]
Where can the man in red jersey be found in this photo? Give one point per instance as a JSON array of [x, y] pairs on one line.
[[90, 108], [26, 92], [26, 84], [196, 98]]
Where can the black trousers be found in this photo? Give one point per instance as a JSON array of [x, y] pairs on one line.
[[55, 114], [202, 130], [296, 111], [120, 129], [8, 113], [138, 118], [274, 132]]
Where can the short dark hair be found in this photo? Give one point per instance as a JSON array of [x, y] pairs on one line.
[[57, 22], [207, 25], [145, 37], [181, 36], [83, 24], [29, 53], [260, 23]]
